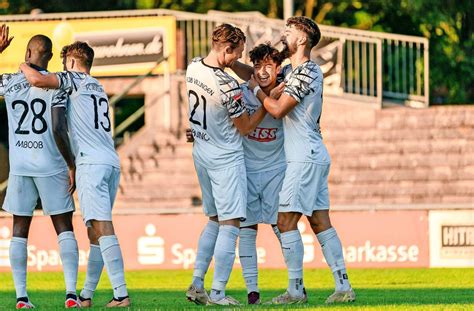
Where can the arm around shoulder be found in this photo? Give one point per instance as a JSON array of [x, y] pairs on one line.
[[35, 78]]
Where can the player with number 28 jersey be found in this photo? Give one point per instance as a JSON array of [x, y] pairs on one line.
[[33, 151]]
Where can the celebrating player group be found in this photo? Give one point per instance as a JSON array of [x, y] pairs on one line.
[[257, 150], [260, 158], [46, 112]]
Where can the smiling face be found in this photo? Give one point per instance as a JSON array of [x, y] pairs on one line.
[[265, 72]]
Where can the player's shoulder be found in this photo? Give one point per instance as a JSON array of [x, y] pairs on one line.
[[197, 59], [9, 77], [225, 79], [310, 69], [195, 62]]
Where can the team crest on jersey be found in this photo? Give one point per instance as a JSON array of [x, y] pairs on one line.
[[263, 134], [235, 104], [237, 99]]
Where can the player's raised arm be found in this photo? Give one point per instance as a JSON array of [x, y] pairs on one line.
[[4, 38], [246, 124], [233, 100], [35, 78], [277, 108], [243, 71]]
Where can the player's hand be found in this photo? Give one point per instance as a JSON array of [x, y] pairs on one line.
[[23, 65], [4, 39], [252, 83], [276, 92], [72, 180], [189, 136]]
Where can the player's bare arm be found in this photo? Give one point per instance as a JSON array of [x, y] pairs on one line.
[[277, 108], [59, 121], [243, 71], [246, 124], [35, 78], [5, 40]]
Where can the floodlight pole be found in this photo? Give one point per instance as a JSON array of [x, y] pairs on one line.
[[287, 9]]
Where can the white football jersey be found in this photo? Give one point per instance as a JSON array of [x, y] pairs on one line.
[[214, 99], [88, 119], [32, 149], [263, 148], [303, 140]]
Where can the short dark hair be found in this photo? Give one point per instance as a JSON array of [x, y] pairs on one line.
[[264, 51], [227, 33], [306, 25], [81, 51], [42, 45]]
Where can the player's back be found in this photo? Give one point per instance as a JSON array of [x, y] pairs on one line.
[[214, 99], [32, 149], [88, 119]]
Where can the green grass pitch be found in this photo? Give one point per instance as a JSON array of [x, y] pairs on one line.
[[376, 289]]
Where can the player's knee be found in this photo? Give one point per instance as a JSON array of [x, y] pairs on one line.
[[21, 226], [62, 222], [288, 221], [102, 228], [93, 239], [230, 222], [319, 223], [20, 231]]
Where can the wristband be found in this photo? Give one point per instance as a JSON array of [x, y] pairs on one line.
[[256, 89]]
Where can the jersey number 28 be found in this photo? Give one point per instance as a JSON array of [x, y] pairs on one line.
[[37, 116]]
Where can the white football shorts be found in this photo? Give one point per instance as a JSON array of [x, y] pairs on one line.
[[97, 186], [305, 188], [224, 191], [262, 198], [23, 193]]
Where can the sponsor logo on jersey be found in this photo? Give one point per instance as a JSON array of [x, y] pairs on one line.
[[263, 134]]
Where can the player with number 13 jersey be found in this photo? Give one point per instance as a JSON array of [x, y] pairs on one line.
[[90, 124]]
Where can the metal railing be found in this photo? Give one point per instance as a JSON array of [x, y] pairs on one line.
[[368, 66]]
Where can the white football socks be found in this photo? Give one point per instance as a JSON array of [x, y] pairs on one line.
[[332, 251], [95, 264], [248, 258], [293, 252], [69, 253], [113, 260], [224, 255], [205, 251], [18, 261]]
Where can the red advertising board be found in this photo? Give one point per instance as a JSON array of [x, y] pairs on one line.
[[369, 238]]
